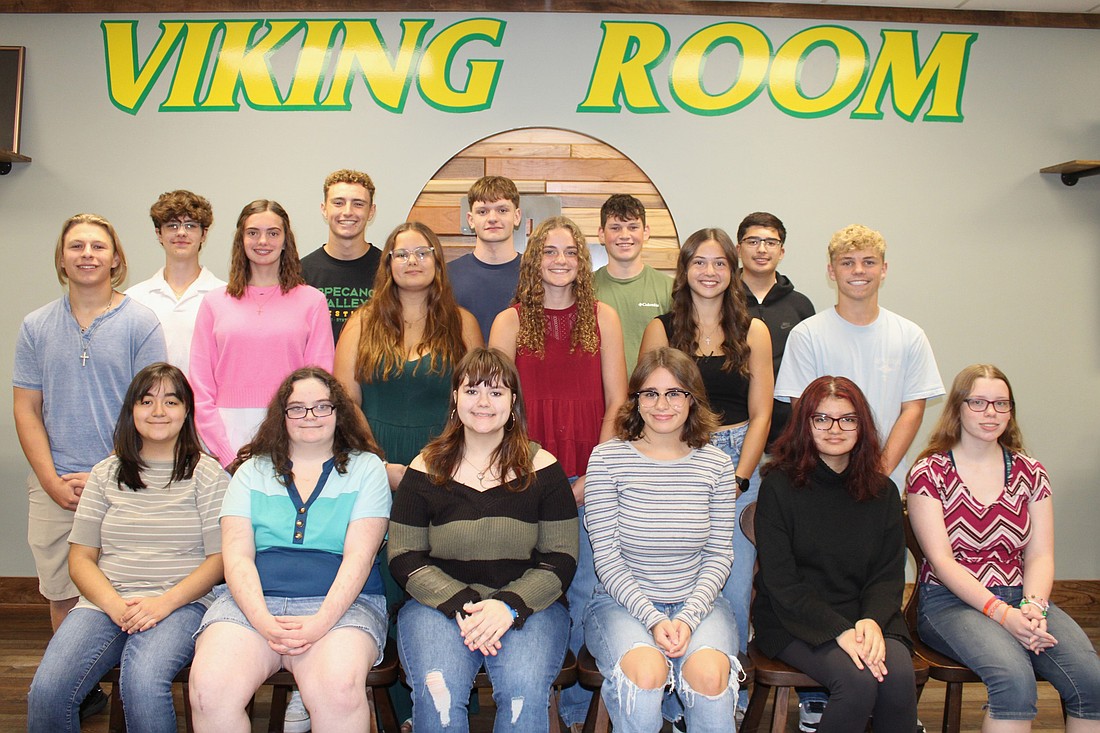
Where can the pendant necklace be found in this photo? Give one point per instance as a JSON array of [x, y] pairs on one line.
[[260, 303], [480, 474], [84, 344]]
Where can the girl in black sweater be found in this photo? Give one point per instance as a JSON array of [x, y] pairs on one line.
[[832, 562]]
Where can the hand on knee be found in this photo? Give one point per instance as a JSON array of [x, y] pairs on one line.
[[645, 667]]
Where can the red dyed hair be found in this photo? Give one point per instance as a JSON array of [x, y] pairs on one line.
[[795, 454]]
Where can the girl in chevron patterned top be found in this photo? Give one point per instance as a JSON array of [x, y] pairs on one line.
[[982, 511]]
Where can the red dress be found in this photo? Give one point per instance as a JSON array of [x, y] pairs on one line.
[[563, 392]]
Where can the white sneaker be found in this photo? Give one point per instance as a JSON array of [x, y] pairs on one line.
[[296, 719], [809, 715]]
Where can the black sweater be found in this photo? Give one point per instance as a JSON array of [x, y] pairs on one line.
[[826, 561]]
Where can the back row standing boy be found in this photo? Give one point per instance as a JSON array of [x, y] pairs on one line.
[[343, 268], [636, 291], [485, 280]]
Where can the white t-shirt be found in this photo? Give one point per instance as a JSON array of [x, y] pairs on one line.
[[890, 360]]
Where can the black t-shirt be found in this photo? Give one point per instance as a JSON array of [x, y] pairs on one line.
[[347, 284]]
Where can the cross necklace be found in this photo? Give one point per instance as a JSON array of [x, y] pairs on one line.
[[84, 356]]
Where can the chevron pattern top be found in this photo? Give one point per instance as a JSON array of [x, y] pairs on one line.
[[988, 540]]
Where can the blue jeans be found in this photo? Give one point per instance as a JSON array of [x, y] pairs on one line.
[[440, 669], [87, 645], [738, 588], [575, 699], [612, 632], [962, 632]]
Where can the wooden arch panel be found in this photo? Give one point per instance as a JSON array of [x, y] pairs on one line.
[[581, 170]]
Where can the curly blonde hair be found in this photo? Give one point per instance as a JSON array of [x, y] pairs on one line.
[[530, 292]]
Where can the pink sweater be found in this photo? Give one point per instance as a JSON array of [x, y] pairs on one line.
[[243, 349]]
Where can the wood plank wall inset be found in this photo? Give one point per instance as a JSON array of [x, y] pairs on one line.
[[581, 170]]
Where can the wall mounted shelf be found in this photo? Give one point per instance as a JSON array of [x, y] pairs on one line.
[[1072, 170], [7, 158]]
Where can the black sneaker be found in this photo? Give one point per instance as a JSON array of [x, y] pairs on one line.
[[809, 715], [93, 703]]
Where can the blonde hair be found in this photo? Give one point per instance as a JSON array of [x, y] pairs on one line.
[[855, 237], [530, 292], [118, 272]]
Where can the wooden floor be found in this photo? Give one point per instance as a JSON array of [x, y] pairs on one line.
[[25, 631]]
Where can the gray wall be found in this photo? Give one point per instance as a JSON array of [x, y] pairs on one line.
[[995, 261]]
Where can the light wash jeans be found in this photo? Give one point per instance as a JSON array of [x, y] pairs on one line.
[[575, 699], [612, 632], [738, 588], [440, 669], [962, 632], [87, 645]]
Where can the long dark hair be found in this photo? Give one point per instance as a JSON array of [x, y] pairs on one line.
[[381, 350], [794, 451], [272, 440], [735, 318], [128, 439], [513, 457], [701, 421]]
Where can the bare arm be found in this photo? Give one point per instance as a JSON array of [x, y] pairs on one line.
[[144, 613], [612, 368], [1039, 553], [761, 388], [902, 434], [92, 583], [347, 356], [471, 332], [504, 332], [653, 337], [31, 429]]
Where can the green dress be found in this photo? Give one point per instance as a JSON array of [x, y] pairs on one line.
[[408, 409]]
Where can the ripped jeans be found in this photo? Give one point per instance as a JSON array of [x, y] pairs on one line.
[[610, 632], [440, 669]]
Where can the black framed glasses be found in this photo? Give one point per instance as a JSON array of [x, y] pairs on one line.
[[676, 398], [322, 409], [821, 421]]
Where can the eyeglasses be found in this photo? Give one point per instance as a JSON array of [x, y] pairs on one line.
[[676, 398], [188, 226], [402, 256], [754, 242], [297, 412], [821, 421], [978, 405]]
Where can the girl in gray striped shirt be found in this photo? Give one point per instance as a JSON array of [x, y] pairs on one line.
[[661, 516]]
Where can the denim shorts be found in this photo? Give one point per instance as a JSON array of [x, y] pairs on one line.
[[366, 613]]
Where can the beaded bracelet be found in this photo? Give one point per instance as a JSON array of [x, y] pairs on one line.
[[990, 605], [1026, 602]]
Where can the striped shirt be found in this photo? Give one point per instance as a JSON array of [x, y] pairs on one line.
[[988, 540], [451, 545], [662, 531], [150, 539]]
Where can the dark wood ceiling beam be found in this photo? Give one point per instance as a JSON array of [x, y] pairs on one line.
[[635, 7]]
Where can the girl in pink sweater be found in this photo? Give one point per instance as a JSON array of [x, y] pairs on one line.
[[255, 331]]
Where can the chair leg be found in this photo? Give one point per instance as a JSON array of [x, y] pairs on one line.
[[758, 700], [952, 707], [591, 718], [276, 720], [779, 714], [116, 717], [384, 704], [555, 715], [189, 725]]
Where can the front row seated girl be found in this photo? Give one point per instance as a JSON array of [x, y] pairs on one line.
[[982, 511], [661, 515], [831, 545], [483, 537], [145, 551]]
